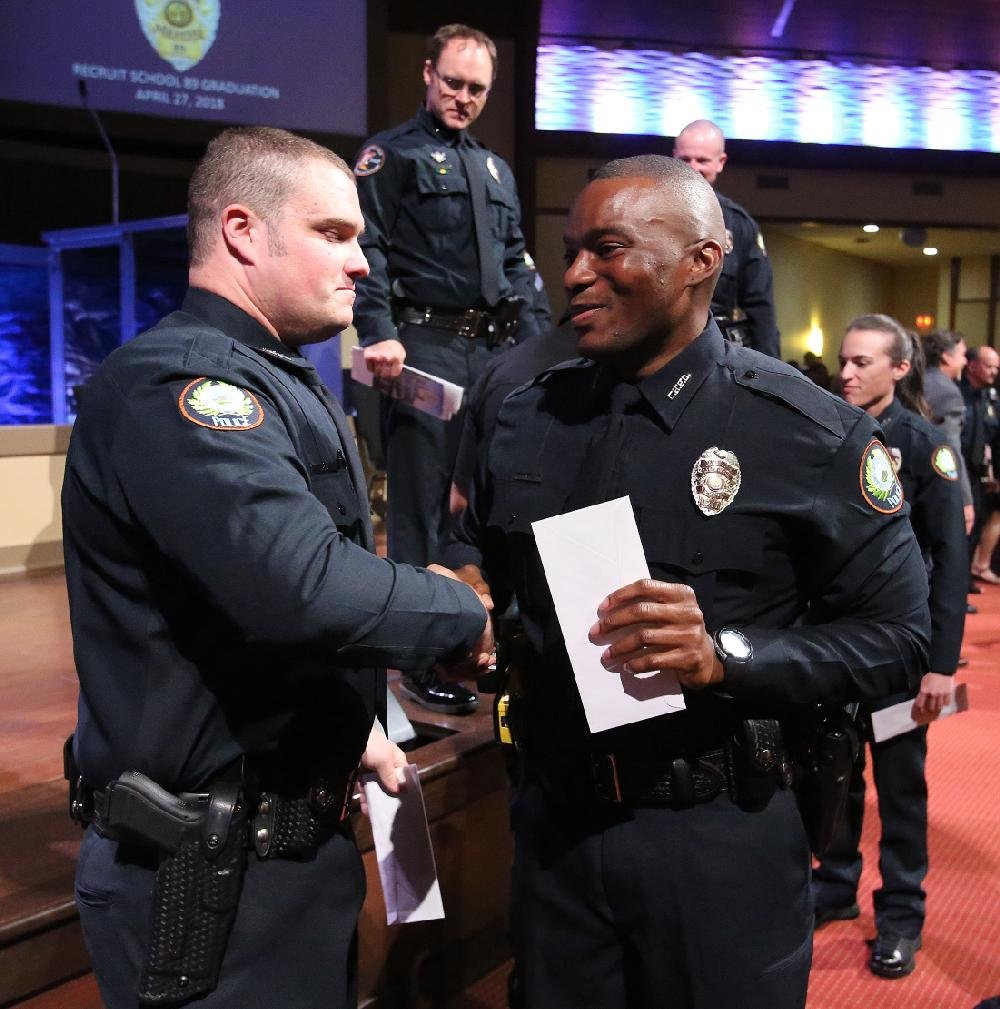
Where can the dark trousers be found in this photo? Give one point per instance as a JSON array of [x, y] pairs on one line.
[[293, 943], [420, 450], [695, 908], [898, 770]]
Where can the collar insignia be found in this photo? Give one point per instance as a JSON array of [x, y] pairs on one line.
[[715, 480], [678, 385]]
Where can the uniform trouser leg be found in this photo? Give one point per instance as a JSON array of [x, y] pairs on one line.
[[420, 450], [696, 908], [293, 942], [835, 879], [898, 766]]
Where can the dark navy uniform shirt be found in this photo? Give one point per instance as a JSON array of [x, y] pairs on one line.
[[814, 559], [420, 240], [929, 472], [746, 280], [981, 428], [224, 593]]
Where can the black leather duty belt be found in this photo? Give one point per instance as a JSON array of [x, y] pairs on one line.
[[659, 781], [471, 323]]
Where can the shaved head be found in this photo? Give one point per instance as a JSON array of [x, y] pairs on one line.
[[702, 145]]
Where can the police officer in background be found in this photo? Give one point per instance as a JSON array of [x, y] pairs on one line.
[[945, 358], [981, 444], [881, 371], [743, 303], [230, 617], [664, 862], [449, 287]]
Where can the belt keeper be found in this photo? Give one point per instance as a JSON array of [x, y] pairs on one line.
[[682, 780], [606, 781], [263, 825]]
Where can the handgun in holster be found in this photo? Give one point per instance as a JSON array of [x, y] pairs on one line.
[[202, 837], [825, 758]]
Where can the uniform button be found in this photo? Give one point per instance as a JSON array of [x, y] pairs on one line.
[[698, 557], [340, 456], [750, 374], [341, 509], [511, 519]]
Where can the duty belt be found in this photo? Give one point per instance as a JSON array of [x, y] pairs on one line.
[[471, 323], [663, 781]]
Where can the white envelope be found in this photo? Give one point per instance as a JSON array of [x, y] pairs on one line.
[[896, 720], [403, 849], [588, 554]]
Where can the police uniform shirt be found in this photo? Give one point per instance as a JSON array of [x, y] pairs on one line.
[[948, 414], [224, 595], [981, 428], [746, 279], [419, 238], [928, 469], [813, 557]]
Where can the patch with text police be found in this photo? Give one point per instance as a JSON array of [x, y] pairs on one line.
[[208, 402], [944, 462], [880, 486], [370, 160]]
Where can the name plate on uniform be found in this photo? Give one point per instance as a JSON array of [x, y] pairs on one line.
[[588, 554]]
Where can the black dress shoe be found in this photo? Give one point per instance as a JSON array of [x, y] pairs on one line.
[[824, 914], [432, 693], [893, 955], [975, 590], [969, 608]]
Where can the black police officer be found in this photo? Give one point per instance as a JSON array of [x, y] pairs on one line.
[[665, 861], [881, 371], [745, 282], [229, 613], [446, 252]]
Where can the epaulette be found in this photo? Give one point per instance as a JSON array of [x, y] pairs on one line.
[[769, 377]]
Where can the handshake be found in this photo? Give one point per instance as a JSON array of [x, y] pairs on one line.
[[482, 652]]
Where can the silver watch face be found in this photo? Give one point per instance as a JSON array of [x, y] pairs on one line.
[[734, 643]]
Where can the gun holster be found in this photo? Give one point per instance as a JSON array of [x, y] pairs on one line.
[[203, 840], [825, 763]]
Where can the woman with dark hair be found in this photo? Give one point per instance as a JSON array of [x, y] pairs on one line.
[[881, 370]]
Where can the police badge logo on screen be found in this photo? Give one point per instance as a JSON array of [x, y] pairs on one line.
[[180, 31]]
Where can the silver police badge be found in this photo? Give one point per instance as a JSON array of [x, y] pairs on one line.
[[715, 480], [180, 31]]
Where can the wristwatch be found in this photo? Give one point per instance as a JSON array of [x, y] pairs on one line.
[[733, 648]]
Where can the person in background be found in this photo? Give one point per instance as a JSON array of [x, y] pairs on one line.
[[881, 371], [743, 302], [450, 287]]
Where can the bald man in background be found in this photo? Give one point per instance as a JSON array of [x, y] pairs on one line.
[[743, 303]]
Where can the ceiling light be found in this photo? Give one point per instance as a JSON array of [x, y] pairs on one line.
[[929, 250], [870, 229]]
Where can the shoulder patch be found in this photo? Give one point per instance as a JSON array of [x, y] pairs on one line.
[[944, 463], [208, 402], [370, 160], [879, 485]]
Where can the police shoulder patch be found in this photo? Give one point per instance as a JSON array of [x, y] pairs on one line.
[[209, 402], [944, 463], [880, 486], [370, 160]]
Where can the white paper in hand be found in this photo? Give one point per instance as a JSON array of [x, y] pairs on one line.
[[587, 555], [403, 850], [896, 720]]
